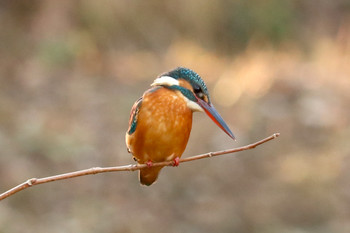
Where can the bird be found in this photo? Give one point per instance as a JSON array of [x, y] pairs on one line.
[[161, 120]]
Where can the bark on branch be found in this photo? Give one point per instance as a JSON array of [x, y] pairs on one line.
[[132, 167]]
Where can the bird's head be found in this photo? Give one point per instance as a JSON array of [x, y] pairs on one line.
[[194, 91]]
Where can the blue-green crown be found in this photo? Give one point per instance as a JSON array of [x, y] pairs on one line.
[[189, 75]]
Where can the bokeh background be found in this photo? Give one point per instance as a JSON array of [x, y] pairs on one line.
[[71, 70]]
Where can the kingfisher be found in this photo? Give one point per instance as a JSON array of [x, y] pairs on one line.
[[161, 120]]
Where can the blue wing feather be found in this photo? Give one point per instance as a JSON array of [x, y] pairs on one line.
[[134, 115]]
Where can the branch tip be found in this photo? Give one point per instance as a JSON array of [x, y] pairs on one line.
[[131, 167]]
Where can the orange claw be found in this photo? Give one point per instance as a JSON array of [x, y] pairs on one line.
[[176, 161], [149, 163]]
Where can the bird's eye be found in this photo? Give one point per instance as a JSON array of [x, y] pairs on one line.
[[198, 91]]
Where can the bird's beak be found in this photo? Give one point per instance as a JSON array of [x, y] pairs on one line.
[[215, 116]]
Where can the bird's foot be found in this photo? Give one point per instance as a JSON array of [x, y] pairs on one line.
[[149, 163], [176, 161]]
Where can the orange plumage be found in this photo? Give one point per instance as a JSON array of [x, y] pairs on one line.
[[161, 120], [164, 124]]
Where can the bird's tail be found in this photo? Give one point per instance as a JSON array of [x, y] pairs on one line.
[[149, 175]]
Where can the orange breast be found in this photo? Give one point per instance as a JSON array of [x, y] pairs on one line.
[[163, 126]]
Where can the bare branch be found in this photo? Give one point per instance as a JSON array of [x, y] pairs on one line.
[[132, 167]]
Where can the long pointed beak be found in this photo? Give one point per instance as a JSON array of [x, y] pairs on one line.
[[215, 116]]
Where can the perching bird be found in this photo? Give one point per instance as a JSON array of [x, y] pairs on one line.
[[161, 120]]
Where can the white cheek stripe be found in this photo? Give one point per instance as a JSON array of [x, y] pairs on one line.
[[165, 80], [170, 81]]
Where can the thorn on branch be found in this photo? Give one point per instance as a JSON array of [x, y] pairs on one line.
[[31, 182], [95, 170]]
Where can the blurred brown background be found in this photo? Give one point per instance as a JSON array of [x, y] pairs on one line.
[[71, 70]]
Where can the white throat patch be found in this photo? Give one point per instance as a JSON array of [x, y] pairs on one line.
[[170, 81], [194, 106], [165, 80]]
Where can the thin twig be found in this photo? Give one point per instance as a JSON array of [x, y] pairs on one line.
[[132, 167]]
